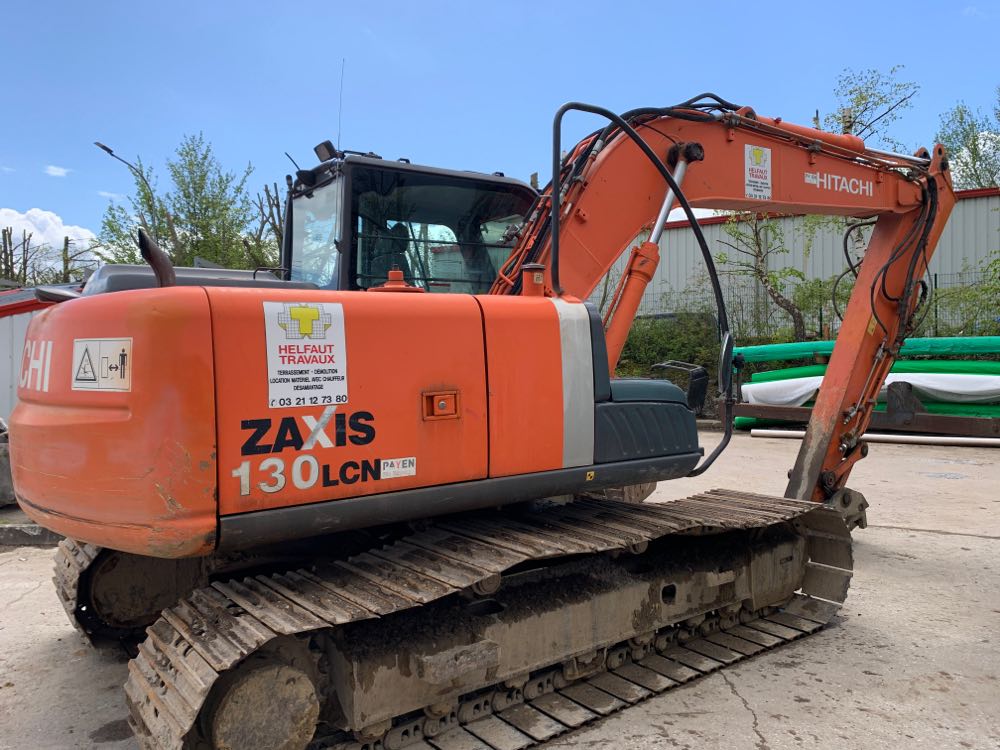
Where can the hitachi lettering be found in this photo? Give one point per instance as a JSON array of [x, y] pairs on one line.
[[328, 431], [839, 183], [36, 361]]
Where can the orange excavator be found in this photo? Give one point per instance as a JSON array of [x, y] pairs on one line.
[[378, 499]]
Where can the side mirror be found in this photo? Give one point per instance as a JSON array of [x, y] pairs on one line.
[[726, 363]]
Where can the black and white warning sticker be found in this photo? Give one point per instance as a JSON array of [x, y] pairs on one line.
[[102, 365], [306, 353]]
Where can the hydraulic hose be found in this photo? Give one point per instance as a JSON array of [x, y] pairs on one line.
[[725, 369]]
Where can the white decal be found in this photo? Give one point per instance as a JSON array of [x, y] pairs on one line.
[[398, 467], [307, 472], [102, 365], [840, 184], [304, 478], [306, 354], [276, 467], [757, 174], [36, 361]]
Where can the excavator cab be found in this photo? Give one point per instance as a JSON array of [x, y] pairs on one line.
[[353, 218]]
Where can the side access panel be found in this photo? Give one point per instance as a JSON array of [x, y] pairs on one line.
[[541, 384], [334, 395]]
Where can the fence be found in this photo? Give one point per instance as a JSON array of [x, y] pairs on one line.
[[959, 304]]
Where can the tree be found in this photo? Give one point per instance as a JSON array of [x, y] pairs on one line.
[[869, 102], [208, 213], [755, 239], [973, 142], [264, 243], [24, 263]]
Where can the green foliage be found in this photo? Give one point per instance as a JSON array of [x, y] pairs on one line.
[[973, 142], [869, 102], [688, 337], [208, 213], [965, 309]]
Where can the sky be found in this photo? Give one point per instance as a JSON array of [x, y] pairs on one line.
[[465, 85]]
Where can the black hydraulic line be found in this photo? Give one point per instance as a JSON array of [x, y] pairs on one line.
[[555, 190], [720, 103], [896, 254], [851, 266], [903, 312], [664, 172], [609, 132]]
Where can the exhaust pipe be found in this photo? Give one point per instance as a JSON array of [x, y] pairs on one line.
[[158, 260]]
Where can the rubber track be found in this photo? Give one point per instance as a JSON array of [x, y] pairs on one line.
[[215, 627], [72, 559]]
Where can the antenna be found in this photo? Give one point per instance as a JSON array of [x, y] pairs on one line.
[[340, 107], [292, 160]]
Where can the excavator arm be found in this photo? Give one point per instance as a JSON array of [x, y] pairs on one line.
[[614, 184]]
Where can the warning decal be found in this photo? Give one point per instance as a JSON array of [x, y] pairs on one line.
[[306, 353], [757, 172], [102, 365]]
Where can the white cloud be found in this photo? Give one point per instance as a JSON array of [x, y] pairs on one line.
[[7, 169], [112, 196], [53, 171], [964, 166], [45, 227]]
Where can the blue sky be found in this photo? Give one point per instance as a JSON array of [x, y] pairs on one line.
[[467, 85]]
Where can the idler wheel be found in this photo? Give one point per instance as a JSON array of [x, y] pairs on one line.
[[266, 705]]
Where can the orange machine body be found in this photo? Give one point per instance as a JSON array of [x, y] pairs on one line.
[[245, 401], [253, 416], [135, 467]]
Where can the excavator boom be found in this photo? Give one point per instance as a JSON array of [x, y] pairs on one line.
[[608, 190]]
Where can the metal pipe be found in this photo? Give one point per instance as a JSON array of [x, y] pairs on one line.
[[918, 160], [668, 201], [881, 437]]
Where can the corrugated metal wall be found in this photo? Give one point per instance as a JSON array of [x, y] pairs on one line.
[[13, 329], [972, 234]]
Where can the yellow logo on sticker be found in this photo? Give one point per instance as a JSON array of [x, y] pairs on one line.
[[303, 321], [590, 476], [757, 155]]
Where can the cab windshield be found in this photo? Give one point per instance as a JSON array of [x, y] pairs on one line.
[[315, 234], [446, 234]]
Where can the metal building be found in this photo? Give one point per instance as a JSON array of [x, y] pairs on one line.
[[970, 238], [17, 308]]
